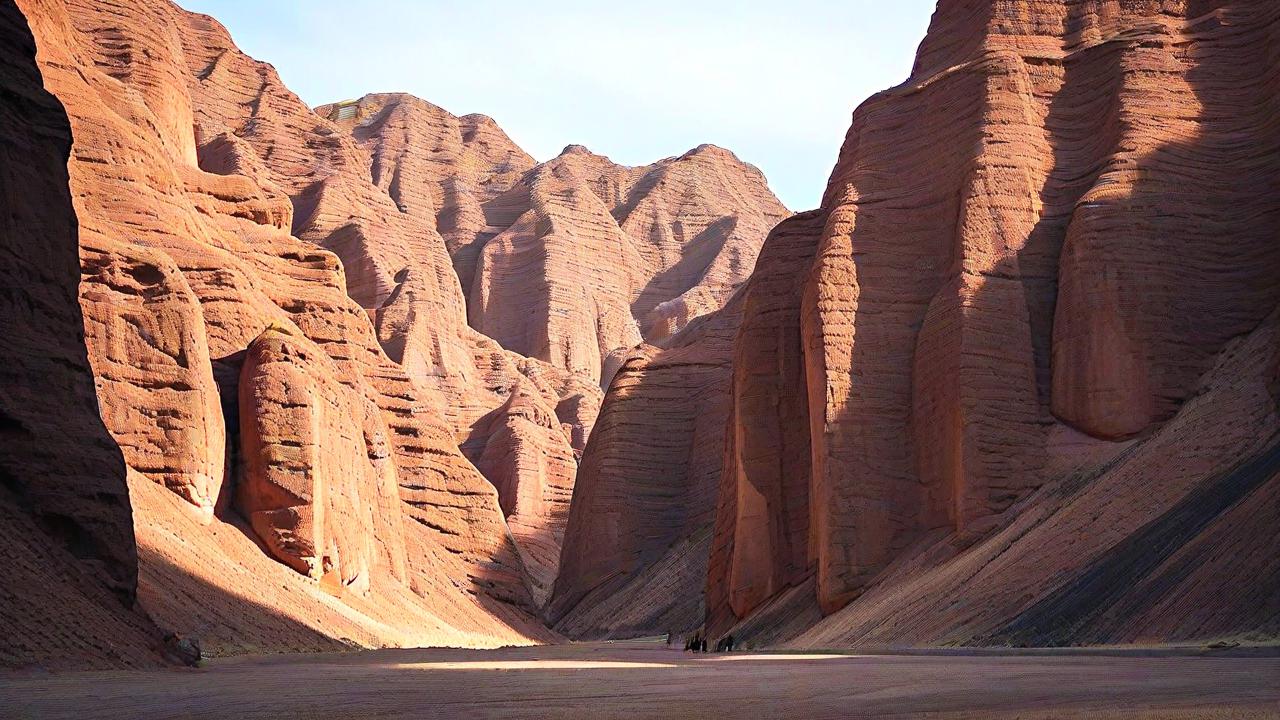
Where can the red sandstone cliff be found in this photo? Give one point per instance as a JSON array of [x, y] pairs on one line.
[[576, 260], [437, 167], [1013, 383], [1035, 346], [639, 531], [595, 257], [567, 264], [276, 326], [66, 534], [237, 376]]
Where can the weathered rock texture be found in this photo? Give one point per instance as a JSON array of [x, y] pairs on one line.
[[576, 260], [278, 332], [635, 553], [1173, 540], [319, 486], [437, 167], [235, 373], [66, 529], [593, 257], [568, 265], [762, 525], [1035, 343], [522, 422], [1015, 382]]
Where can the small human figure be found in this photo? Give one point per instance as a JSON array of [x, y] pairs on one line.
[[704, 645], [728, 643]]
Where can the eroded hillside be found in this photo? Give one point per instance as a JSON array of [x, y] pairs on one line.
[[319, 449], [288, 379], [1036, 343]]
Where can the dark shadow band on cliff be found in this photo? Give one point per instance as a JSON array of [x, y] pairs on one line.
[[226, 623], [1133, 576], [70, 545]]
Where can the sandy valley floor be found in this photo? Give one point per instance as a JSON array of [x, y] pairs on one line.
[[636, 679]]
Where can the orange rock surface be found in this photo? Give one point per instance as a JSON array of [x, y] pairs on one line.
[[223, 226], [233, 369], [762, 538], [335, 378], [1044, 270], [438, 168], [536, 249], [593, 257], [639, 533], [576, 260], [66, 534]]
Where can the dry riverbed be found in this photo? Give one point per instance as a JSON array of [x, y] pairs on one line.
[[639, 680]]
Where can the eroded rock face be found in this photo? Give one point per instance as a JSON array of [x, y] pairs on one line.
[[66, 526], [56, 453], [228, 355], [1014, 381], [640, 524], [762, 529], [528, 457], [1008, 288], [317, 487], [568, 265], [621, 253], [1168, 542], [397, 227], [577, 259], [543, 287], [223, 228], [435, 166]]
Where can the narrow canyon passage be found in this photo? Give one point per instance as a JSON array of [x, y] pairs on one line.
[[287, 377]]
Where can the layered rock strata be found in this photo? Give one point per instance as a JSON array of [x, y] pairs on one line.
[[232, 368], [576, 260], [1028, 257], [620, 254], [66, 525], [568, 265], [639, 532]]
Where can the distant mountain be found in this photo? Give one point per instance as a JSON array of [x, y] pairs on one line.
[[280, 347]]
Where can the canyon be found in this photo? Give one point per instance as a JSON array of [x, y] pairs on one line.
[[366, 375], [1040, 388]]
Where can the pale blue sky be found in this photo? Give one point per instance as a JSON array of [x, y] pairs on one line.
[[775, 82]]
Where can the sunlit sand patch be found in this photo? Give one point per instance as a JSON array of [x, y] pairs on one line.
[[732, 658], [530, 665]]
